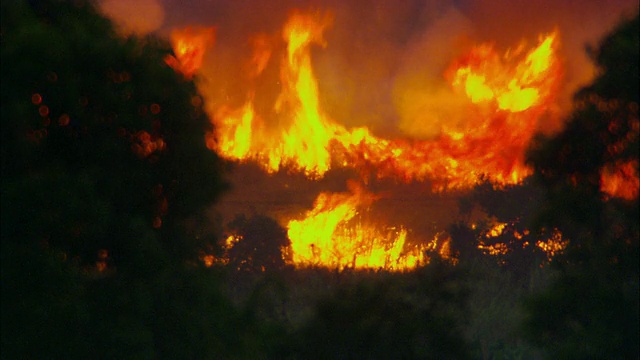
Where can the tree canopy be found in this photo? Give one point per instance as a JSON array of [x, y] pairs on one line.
[[591, 309], [100, 193]]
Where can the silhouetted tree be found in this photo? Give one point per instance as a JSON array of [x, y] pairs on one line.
[[260, 245], [591, 309], [515, 206], [104, 171]]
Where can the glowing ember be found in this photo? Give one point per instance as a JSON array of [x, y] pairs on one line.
[[554, 245], [551, 246], [621, 181], [327, 236]]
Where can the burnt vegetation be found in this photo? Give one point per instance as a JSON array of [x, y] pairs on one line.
[[106, 180]]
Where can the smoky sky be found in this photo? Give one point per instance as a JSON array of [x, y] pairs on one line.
[[383, 61]]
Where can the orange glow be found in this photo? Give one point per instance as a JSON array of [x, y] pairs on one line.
[[144, 144], [621, 181], [445, 251], [330, 235], [101, 263], [189, 46]]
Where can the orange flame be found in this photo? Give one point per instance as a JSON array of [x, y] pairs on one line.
[[507, 94], [327, 236], [189, 46]]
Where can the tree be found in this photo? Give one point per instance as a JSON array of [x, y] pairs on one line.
[[591, 309], [260, 244], [104, 171], [510, 211]]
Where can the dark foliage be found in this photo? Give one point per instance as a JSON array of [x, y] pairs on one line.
[[591, 310], [391, 316], [99, 142], [261, 244]]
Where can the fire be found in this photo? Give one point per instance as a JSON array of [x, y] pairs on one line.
[[485, 78], [189, 46], [328, 236], [507, 94], [236, 132], [306, 142]]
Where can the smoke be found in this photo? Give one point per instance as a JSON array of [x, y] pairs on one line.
[[138, 17], [383, 62]]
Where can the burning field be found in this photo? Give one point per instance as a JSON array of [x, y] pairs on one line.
[[359, 137]]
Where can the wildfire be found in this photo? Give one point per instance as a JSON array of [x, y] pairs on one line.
[[328, 236], [189, 46], [507, 94]]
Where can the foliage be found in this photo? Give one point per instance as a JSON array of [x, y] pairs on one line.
[[99, 196], [390, 316], [261, 244], [591, 309], [514, 206]]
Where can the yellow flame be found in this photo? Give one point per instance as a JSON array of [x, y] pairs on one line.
[[189, 45], [484, 80], [516, 88], [327, 237], [234, 137]]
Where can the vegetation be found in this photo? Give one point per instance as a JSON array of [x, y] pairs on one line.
[[591, 309]]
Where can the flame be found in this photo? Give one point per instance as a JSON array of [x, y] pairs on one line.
[[234, 136], [327, 236], [189, 45], [485, 78], [507, 94]]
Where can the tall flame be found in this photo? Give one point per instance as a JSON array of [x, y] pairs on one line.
[[507, 94]]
